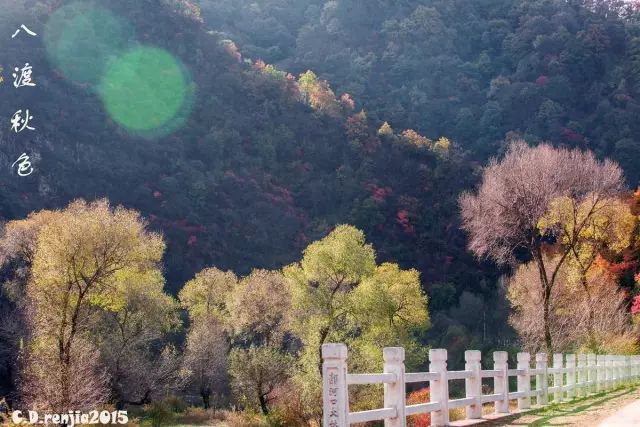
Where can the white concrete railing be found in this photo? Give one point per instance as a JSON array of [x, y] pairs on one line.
[[592, 374]]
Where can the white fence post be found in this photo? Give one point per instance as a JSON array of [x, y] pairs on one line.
[[524, 380], [626, 369], [335, 396], [395, 393], [602, 372], [609, 371], [440, 387], [473, 385], [501, 384], [582, 374], [591, 373], [558, 376], [541, 379], [571, 376]]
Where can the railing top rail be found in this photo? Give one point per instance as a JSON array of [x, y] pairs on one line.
[[361, 379]]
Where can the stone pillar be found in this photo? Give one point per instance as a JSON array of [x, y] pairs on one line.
[[524, 380], [440, 387], [395, 393], [335, 396], [473, 385]]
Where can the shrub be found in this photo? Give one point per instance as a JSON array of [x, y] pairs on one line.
[[414, 398], [158, 414]]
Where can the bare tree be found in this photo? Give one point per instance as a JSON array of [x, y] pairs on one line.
[[17, 246], [205, 357], [46, 375], [502, 217], [130, 336], [573, 320], [151, 376]]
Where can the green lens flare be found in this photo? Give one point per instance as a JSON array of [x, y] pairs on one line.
[[145, 90], [81, 38]]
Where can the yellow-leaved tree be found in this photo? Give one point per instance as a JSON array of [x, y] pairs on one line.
[[88, 261], [340, 294], [585, 230]]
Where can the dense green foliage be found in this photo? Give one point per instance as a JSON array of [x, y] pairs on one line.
[[555, 70]]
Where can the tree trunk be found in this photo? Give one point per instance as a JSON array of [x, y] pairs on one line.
[[263, 404], [206, 398], [546, 300], [323, 336], [591, 320], [548, 342]]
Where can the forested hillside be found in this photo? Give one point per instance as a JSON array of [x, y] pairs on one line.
[[265, 163], [253, 175], [565, 71], [246, 131]]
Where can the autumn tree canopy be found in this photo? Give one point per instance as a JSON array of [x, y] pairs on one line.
[[504, 215]]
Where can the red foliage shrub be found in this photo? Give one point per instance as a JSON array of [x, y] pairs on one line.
[[405, 223], [571, 135], [380, 194], [414, 398], [348, 101], [542, 80], [635, 306]]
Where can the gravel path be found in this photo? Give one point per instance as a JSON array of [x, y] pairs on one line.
[[627, 416]]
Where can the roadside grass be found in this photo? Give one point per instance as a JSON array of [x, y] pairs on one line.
[[550, 415]]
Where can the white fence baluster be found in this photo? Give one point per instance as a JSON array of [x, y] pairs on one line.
[[473, 385], [558, 376], [524, 380], [571, 376], [626, 369], [609, 371], [601, 373], [582, 375], [440, 387], [395, 393], [501, 383], [542, 384], [335, 395], [591, 373]]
